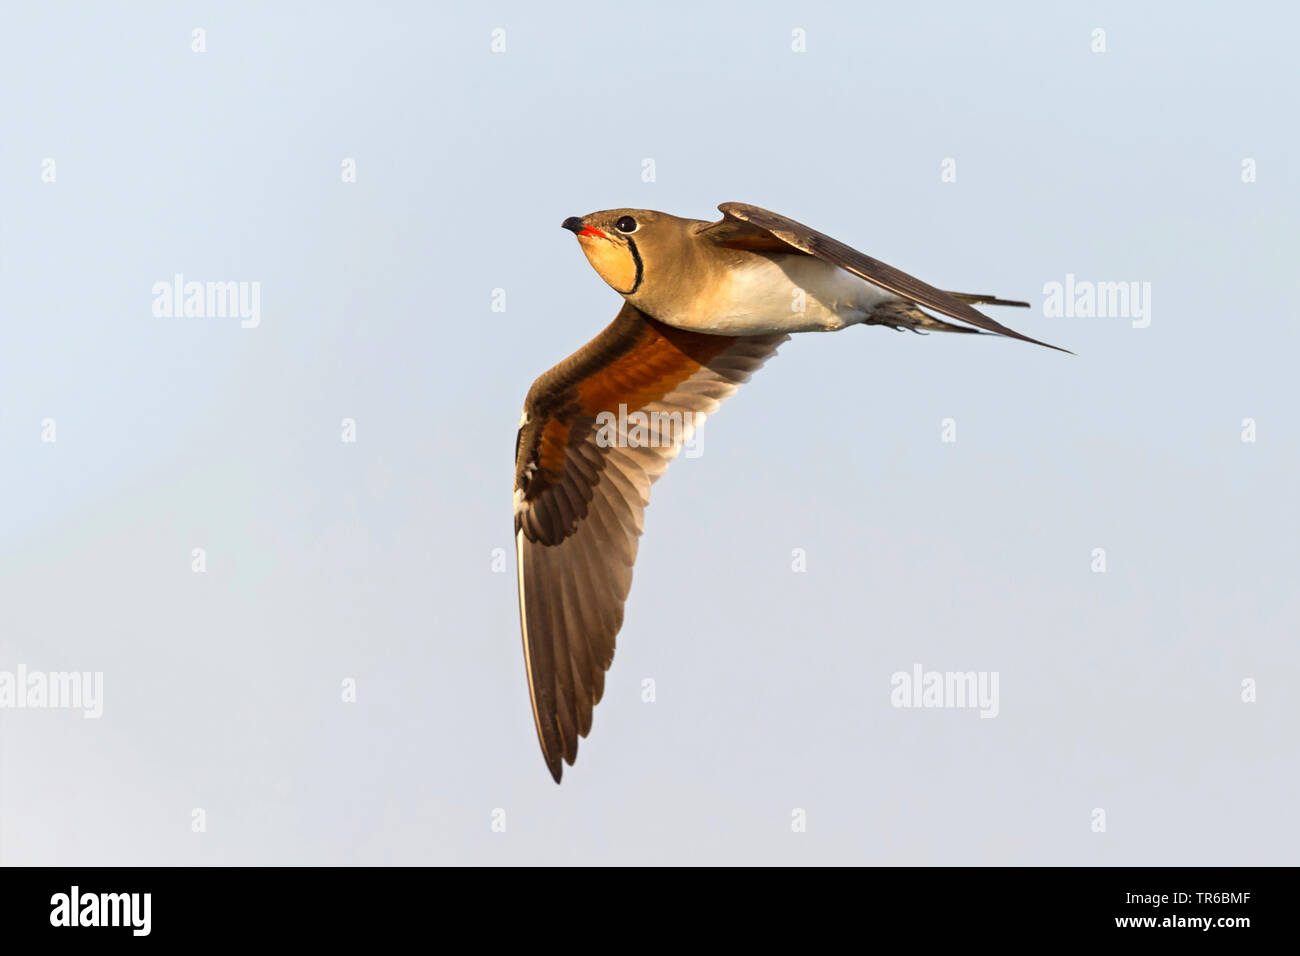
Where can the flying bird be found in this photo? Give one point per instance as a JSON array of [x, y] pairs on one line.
[[705, 304]]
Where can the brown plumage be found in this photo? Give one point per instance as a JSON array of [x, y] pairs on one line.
[[706, 304], [579, 505]]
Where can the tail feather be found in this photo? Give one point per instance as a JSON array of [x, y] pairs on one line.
[[908, 316], [974, 298]]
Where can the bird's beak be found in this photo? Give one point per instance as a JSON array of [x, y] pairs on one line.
[[575, 225]]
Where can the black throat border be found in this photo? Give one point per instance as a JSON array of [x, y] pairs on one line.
[[640, 268]]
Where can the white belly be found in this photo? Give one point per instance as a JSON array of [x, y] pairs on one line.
[[781, 293]]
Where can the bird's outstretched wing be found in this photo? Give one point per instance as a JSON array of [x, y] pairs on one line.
[[584, 463], [748, 227]]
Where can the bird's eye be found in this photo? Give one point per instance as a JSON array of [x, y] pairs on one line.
[[626, 224]]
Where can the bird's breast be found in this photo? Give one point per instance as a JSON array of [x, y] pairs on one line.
[[758, 294]]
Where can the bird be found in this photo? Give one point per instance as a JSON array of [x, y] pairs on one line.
[[705, 304]]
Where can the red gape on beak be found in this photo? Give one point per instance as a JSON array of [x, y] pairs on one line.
[[579, 228]]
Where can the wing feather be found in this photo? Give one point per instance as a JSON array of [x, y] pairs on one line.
[[742, 221], [580, 499]]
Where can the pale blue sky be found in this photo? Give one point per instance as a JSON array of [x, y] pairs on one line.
[[373, 560]]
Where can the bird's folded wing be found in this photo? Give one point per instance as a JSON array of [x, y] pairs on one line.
[[584, 463], [748, 227]]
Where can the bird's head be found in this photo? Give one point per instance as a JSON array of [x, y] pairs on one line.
[[631, 249]]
